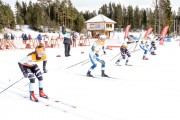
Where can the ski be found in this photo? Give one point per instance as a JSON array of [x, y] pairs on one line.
[[39, 101], [35, 101], [129, 65], [123, 65], [98, 77], [106, 77], [118, 65], [55, 101], [60, 102], [47, 104]]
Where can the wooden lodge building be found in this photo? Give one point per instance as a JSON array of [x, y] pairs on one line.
[[100, 24]]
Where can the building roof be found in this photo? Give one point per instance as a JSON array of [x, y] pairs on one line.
[[100, 18]]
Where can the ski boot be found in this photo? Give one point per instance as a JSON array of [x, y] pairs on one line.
[[89, 74], [41, 94], [32, 97], [117, 62], [127, 63], [145, 58], [103, 74], [152, 53]]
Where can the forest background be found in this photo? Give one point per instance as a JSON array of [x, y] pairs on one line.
[[52, 14]]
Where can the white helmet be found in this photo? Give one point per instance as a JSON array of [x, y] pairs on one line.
[[102, 37]]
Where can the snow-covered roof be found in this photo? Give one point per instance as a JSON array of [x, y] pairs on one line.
[[100, 18]]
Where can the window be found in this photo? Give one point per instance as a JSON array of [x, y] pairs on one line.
[[92, 26], [108, 25]]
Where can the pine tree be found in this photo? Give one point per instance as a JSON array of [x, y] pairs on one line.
[[118, 16], [103, 10], [136, 18], [130, 16]]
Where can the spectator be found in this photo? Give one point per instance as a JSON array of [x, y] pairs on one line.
[[24, 37], [67, 41], [12, 40], [74, 39], [2, 44], [8, 42], [29, 36], [46, 39], [39, 38], [12, 36]]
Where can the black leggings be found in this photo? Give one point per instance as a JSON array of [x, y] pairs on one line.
[[33, 72]]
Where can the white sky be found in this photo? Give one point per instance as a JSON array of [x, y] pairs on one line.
[[91, 5], [96, 4]]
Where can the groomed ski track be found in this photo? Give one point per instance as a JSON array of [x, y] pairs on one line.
[[148, 90]]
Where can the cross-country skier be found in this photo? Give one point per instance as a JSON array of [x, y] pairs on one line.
[[31, 70], [125, 54], [158, 39], [96, 48], [143, 45], [152, 47]]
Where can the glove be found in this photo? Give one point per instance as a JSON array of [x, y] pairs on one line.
[[97, 55], [44, 69], [104, 52], [155, 48], [92, 48], [25, 74], [129, 55], [123, 56]]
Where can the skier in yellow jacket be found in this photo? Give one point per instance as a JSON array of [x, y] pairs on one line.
[[31, 70]]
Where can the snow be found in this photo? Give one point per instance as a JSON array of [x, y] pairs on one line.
[[148, 90]]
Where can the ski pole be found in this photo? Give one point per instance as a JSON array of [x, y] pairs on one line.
[[85, 63], [26, 84], [11, 85], [115, 57], [77, 64], [137, 42]]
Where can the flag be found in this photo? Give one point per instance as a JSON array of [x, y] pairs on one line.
[[148, 32], [127, 31], [163, 34]]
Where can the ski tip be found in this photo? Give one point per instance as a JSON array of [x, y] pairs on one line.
[[74, 107], [57, 101], [118, 65], [58, 55], [129, 65]]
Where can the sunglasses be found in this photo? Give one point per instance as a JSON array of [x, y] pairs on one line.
[[41, 53]]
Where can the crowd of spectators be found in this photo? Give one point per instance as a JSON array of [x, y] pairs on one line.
[[21, 40]]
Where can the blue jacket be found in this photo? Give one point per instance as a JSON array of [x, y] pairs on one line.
[[39, 37]]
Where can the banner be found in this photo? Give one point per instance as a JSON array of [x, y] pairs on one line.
[[148, 32], [163, 34], [127, 31]]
